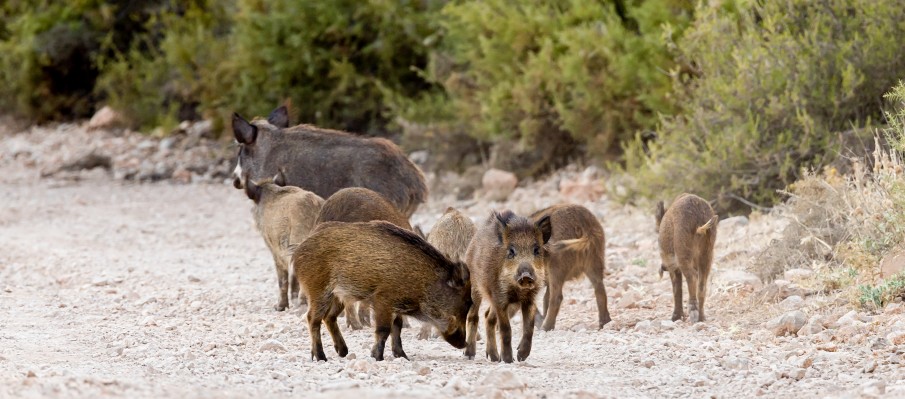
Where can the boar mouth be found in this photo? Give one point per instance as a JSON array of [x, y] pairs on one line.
[[525, 279], [456, 339]]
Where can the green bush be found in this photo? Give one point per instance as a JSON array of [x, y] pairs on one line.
[[778, 80], [549, 72]]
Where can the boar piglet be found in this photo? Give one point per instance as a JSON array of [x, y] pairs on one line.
[[394, 269], [508, 261], [357, 204], [576, 248], [284, 216], [687, 233], [451, 235], [324, 161]]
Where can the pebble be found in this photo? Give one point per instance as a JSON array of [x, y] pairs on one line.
[[788, 323], [272, 345]]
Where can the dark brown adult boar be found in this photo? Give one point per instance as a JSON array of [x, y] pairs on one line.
[[508, 261], [577, 247], [687, 234], [358, 204], [284, 216], [395, 269], [451, 235], [324, 161]]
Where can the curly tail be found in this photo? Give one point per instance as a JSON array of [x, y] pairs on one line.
[[706, 226], [576, 244]]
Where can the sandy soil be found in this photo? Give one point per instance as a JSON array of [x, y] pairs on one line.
[[115, 289]]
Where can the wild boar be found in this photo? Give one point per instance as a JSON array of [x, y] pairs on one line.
[[577, 247], [508, 261], [324, 161], [687, 233], [395, 269], [451, 235], [357, 204], [284, 216]]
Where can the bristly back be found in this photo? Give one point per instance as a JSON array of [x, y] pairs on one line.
[[418, 242]]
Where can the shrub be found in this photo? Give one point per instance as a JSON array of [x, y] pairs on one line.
[[778, 79]]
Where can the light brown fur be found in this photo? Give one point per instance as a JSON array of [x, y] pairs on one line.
[[357, 204], [284, 216], [577, 247], [451, 235], [395, 269], [508, 261], [687, 234]]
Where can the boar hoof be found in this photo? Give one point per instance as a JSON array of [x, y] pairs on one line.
[[507, 358], [523, 352], [549, 326], [605, 320], [694, 316], [318, 355], [342, 350], [377, 354], [280, 307], [399, 353], [676, 316], [495, 357]]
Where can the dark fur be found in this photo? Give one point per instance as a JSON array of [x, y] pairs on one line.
[[577, 247], [400, 273], [324, 161], [687, 234], [508, 261]]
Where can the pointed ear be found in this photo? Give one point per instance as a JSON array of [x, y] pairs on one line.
[[252, 190], [279, 117], [545, 228], [499, 221], [458, 276], [245, 132], [280, 178]]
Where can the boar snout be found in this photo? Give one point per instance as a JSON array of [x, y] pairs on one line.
[[237, 183], [456, 338], [525, 276]]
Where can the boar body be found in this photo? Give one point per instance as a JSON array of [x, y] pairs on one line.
[[451, 235], [577, 247], [324, 161], [284, 216], [392, 268], [357, 204], [687, 234], [508, 261]]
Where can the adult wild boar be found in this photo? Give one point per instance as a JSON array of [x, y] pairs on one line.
[[324, 161]]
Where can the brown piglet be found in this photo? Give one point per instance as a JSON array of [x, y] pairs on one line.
[[577, 248], [687, 233], [393, 268], [508, 261], [357, 204], [284, 216], [451, 235]]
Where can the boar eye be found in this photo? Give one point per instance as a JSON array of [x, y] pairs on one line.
[[536, 250], [511, 253]]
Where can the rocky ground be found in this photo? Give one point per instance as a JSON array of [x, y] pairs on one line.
[[114, 287]]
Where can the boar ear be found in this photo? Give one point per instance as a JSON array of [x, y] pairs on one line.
[[252, 190], [279, 117], [458, 276], [661, 210], [245, 132], [499, 222], [280, 178], [546, 229]]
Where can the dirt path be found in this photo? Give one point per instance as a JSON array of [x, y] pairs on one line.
[[165, 290]]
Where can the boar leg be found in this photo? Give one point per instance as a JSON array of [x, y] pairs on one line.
[[352, 316], [364, 313], [315, 314], [336, 307], [490, 321], [295, 293], [595, 274], [427, 331], [383, 321], [676, 277], [702, 283], [524, 347], [693, 314], [396, 333], [283, 280], [505, 334], [472, 322], [554, 289]]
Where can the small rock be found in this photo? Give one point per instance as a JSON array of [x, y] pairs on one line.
[[851, 318], [793, 302], [30, 374], [629, 299], [647, 363], [502, 379], [781, 289], [193, 279], [149, 321], [644, 326], [740, 279], [869, 366], [498, 184], [272, 345], [181, 175], [734, 363], [360, 365], [813, 326], [892, 264], [278, 375], [873, 389], [788, 323], [351, 356], [896, 337], [455, 385], [795, 275], [195, 305], [667, 324], [200, 129], [423, 370], [893, 308], [105, 118]]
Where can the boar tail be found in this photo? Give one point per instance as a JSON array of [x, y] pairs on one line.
[[577, 244], [706, 226]]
